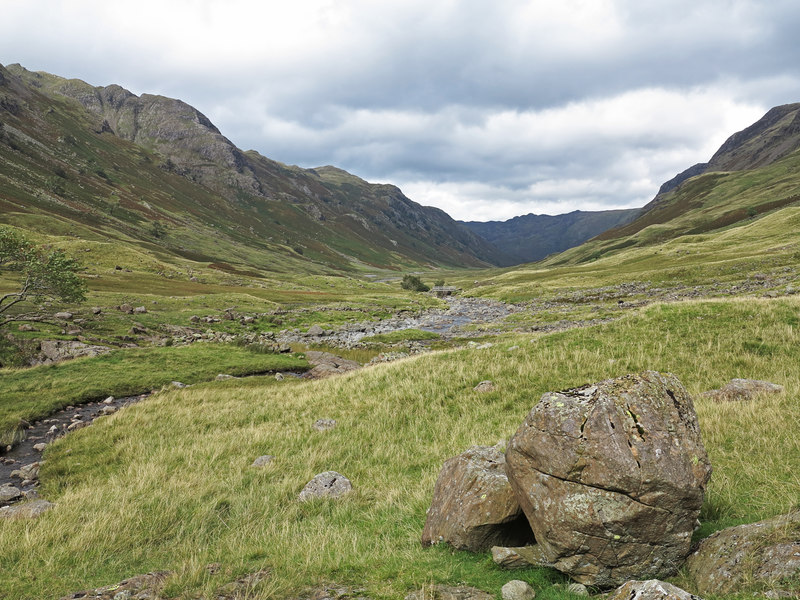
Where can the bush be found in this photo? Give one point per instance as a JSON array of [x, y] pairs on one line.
[[413, 283]]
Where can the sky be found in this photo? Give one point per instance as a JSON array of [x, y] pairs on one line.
[[485, 109]]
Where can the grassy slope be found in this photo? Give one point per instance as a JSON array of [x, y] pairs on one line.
[[702, 204], [180, 494], [765, 245]]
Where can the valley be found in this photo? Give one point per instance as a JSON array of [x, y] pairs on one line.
[[232, 274]]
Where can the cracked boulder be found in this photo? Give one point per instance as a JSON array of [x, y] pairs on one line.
[[473, 505], [611, 477]]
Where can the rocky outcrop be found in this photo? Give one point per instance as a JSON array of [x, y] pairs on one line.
[[325, 364], [762, 554], [53, 351], [737, 390], [652, 589], [27, 510], [138, 587], [611, 477], [473, 505]]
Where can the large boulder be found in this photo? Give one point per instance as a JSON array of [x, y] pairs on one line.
[[473, 505], [611, 477], [766, 553]]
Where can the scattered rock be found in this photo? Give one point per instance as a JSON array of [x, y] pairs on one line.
[[139, 310], [484, 386], [652, 589], [473, 506], [520, 557], [9, 493], [324, 424], [178, 384], [28, 510], [40, 447], [329, 484], [611, 477], [446, 592], [26, 327], [279, 376], [332, 591], [224, 376], [742, 389], [64, 316], [96, 310], [765, 553], [315, 330], [29, 472], [242, 587], [126, 308], [262, 461], [108, 410], [141, 587], [109, 400], [517, 590]]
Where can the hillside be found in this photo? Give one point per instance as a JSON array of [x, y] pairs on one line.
[[156, 173], [754, 172], [529, 238]]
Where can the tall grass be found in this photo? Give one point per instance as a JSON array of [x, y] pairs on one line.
[[167, 484]]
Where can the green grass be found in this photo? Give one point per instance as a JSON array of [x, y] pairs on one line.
[[36, 392], [402, 335], [166, 484]]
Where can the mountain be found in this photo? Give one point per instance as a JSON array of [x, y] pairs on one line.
[[756, 171], [155, 172], [532, 237]]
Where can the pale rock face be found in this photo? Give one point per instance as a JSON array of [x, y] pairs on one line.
[[611, 477], [652, 589], [473, 506]]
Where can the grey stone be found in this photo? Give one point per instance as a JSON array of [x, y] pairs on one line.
[[28, 510], [484, 386], [578, 589], [329, 484], [324, 424], [652, 589], [64, 316], [9, 493], [139, 310], [611, 477], [742, 389], [517, 590], [315, 330], [262, 461], [521, 557], [40, 447], [446, 592]]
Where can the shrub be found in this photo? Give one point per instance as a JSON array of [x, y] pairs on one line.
[[413, 283]]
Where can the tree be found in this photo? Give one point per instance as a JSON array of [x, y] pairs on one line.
[[413, 283], [44, 275]]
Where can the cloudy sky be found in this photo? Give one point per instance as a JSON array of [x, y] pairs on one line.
[[486, 109]]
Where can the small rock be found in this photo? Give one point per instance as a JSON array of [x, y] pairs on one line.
[[224, 376], [262, 461], [40, 447], [517, 590], [484, 386], [109, 400], [126, 308], [279, 376], [578, 589], [26, 327], [107, 410], [30, 471], [315, 330], [329, 484], [96, 310], [446, 592], [139, 310], [324, 424], [178, 384], [9, 493], [75, 425], [28, 510], [64, 316]]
